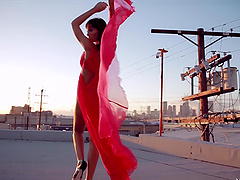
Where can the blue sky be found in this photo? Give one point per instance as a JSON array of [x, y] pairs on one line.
[[39, 50]]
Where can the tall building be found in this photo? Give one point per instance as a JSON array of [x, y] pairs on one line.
[[180, 112], [170, 111], [185, 109], [148, 110], [174, 111], [165, 110]]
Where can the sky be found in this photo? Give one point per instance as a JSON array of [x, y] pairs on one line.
[[38, 50]]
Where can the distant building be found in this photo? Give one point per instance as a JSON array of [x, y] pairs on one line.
[[193, 112], [174, 111], [185, 109], [20, 110], [154, 114], [148, 110], [170, 111], [165, 110]]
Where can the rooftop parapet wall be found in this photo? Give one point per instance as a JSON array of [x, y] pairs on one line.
[[29, 135], [204, 151]]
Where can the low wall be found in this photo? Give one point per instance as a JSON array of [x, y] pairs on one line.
[[204, 151], [35, 135]]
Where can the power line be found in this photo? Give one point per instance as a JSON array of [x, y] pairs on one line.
[[224, 24], [235, 50], [155, 66], [168, 61], [169, 56], [141, 71], [138, 62], [235, 28]]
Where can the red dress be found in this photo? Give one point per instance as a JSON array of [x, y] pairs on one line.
[[103, 111]]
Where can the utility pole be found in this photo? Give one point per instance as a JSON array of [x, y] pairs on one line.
[[28, 103], [40, 111], [203, 85], [162, 51], [204, 94]]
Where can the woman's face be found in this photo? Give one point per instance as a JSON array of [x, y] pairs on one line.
[[92, 33]]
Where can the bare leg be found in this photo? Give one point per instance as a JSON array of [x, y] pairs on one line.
[[78, 129], [92, 160]]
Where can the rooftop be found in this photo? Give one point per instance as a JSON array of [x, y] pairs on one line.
[[32, 158]]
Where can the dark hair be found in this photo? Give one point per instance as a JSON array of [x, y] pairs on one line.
[[100, 25]]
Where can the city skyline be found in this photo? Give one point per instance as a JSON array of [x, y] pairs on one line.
[[168, 110]]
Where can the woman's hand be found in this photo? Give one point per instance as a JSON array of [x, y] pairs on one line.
[[100, 6]]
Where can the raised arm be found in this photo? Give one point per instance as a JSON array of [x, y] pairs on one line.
[[111, 7], [80, 19]]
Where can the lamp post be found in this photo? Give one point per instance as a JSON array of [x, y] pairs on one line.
[[160, 53]]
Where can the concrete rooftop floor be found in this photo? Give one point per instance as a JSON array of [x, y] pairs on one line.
[[49, 160]]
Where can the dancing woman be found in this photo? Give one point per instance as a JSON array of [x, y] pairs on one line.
[[93, 106]]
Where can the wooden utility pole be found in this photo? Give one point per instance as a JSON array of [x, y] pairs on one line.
[[15, 123], [29, 108], [204, 94], [162, 51], [40, 111], [203, 85]]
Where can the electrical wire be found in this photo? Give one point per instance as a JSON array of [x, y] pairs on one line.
[[166, 62], [221, 25], [133, 64], [234, 28], [213, 28], [152, 65]]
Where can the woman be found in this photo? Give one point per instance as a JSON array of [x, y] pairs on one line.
[[114, 155]]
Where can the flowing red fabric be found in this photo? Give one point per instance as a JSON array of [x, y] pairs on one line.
[[103, 102]]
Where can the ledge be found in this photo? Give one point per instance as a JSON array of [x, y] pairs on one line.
[[48, 135], [203, 151]]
